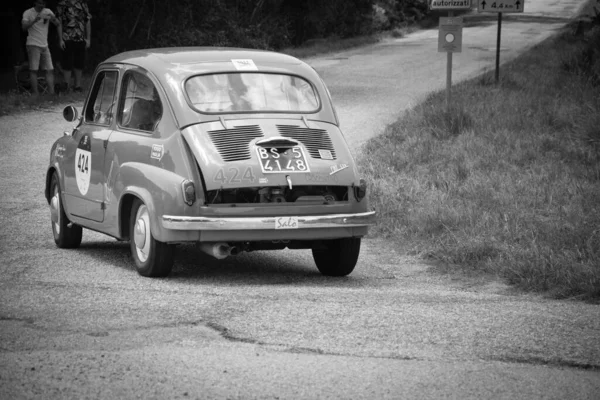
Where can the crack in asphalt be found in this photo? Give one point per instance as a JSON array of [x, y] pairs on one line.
[[8, 318], [546, 362], [227, 335]]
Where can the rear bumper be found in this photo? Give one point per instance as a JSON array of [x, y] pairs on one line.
[[268, 223]]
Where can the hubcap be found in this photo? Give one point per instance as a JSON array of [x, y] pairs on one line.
[[141, 233], [55, 210]]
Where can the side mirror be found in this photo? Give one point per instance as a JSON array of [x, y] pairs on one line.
[[70, 113]]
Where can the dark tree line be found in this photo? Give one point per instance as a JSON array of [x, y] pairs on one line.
[[264, 24], [120, 25]]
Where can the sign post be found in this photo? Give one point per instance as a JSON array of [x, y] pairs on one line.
[[499, 7], [450, 41], [450, 36]]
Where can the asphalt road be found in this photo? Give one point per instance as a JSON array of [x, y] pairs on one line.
[[78, 324]]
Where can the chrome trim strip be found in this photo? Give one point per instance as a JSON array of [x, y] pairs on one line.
[[268, 223]]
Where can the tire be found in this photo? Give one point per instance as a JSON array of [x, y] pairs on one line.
[[152, 258], [339, 256], [66, 235]]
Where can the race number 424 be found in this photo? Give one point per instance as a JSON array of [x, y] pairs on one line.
[[83, 161]]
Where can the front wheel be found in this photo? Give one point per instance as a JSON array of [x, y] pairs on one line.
[[152, 258], [66, 235], [337, 257]]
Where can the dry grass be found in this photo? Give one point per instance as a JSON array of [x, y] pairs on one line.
[[507, 181]]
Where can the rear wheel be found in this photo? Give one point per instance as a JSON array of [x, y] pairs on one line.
[[337, 257], [66, 235], [152, 258]]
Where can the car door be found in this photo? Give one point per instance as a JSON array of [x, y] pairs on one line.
[[84, 172]]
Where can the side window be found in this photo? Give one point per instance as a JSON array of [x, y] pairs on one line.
[[101, 107], [140, 107]]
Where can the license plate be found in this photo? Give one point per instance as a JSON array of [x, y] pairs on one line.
[[282, 160], [286, 223]]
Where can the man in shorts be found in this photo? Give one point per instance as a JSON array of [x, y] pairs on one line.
[[75, 19], [35, 22]]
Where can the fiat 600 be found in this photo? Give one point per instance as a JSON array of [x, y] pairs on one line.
[[233, 149]]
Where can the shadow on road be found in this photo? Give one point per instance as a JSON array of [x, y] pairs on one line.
[[192, 266]]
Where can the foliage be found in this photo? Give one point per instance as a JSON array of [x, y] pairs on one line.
[[400, 13], [262, 24]]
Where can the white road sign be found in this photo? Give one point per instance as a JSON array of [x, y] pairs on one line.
[[450, 4], [501, 6], [450, 35]]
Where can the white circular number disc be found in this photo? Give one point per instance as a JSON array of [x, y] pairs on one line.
[[83, 165]]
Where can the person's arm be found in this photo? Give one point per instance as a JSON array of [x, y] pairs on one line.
[[88, 33], [28, 23], [55, 21], [61, 42]]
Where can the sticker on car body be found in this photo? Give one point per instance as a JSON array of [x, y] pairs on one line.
[[325, 154], [59, 151], [83, 164], [244, 65], [157, 151]]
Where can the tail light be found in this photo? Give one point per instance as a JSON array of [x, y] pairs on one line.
[[360, 191], [189, 192]]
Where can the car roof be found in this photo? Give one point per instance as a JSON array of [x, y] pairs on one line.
[[172, 66], [198, 58]]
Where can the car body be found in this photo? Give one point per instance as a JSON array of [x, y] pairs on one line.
[[233, 149]]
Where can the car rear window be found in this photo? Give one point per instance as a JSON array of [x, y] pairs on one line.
[[251, 92]]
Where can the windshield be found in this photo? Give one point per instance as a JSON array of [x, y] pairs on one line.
[[251, 92]]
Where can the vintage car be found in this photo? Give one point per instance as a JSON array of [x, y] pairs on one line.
[[232, 149]]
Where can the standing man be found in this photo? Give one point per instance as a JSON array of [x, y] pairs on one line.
[[35, 22], [75, 19]]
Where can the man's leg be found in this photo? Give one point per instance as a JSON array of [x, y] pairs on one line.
[[33, 82], [78, 62], [33, 53], [67, 77], [50, 80], [46, 62], [67, 63], [78, 74]]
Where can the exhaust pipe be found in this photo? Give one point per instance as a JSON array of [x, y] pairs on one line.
[[219, 250]]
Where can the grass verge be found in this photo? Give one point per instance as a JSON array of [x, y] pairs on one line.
[[508, 180]]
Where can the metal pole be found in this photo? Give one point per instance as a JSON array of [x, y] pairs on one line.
[[449, 74], [498, 48]]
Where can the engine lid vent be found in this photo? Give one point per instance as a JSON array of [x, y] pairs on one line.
[[234, 144], [313, 139]]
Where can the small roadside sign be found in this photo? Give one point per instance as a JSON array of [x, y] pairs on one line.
[[450, 34], [501, 6], [450, 4]]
